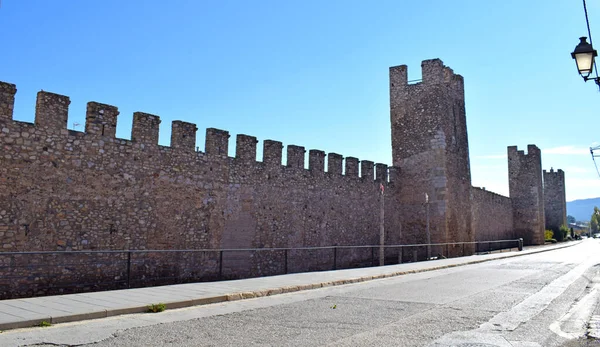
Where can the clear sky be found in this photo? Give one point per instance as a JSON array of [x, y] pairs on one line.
[[315, 73]]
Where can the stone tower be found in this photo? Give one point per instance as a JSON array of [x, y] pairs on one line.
[[555, 202], [526, 193], [431, 150]]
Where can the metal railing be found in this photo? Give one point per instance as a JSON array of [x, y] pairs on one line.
[[24, 274]]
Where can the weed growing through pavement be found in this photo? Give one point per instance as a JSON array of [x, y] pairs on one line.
[[157, 307]]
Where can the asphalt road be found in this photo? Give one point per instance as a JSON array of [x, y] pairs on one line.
[[544, 299]]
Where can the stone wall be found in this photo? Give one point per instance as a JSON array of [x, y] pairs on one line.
[[526, 193], [64, 190], [430, 148], [68, 190], [555, 203], [492, 216]]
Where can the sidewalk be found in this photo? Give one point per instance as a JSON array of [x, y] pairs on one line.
[[21, 313]]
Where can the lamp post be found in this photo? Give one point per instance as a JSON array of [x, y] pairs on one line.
[[381, 228], [585, 53], [427, 227]]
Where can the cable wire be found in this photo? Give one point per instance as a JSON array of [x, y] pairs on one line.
[[587, 22], [596, 165]]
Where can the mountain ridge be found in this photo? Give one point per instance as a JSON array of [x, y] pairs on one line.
[[582, 209]]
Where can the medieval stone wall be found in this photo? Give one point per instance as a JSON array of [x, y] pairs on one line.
[[68, 190], [89, 191], [555, 203], [492, 216]]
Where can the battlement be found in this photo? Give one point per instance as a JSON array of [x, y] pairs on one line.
[[433, 72], [101, 121], [7, 100], [145, 128], [558, 173], [515, 153], [183, 135], [51, 111]]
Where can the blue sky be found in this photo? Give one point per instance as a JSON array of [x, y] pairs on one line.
[[315, 73]]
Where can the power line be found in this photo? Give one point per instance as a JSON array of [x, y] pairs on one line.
[[594, 158]]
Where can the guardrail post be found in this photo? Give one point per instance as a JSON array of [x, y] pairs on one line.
[[220, 265], [286, 260], [520, 244], [415, 256], [372, 256], [128, 269], [400, 255], [490, 247], [463, 249], [335, 258], [447, 253]]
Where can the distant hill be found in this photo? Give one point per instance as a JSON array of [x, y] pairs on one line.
[[582, 209]]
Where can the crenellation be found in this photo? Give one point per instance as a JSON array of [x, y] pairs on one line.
[[448, 74], [217, 142], [145, 128], [7, 101], [398, 76], [295, 156], [366, 169], [457, 83], [52, 111], [183, 135], [533, 150], [351, 167], [245, 148], [398, 84], [101, 119], [381, 172], [316, 160], [272, 153], [433, 71], [334, 163]]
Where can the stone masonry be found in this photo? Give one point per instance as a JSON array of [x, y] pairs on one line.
[[65, 190], [527, 193], [555, 204], [431, 150]]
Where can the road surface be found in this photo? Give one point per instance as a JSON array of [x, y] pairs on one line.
[[544, 299]]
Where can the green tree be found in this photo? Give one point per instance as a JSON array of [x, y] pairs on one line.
[[571, 219], [595, 220]]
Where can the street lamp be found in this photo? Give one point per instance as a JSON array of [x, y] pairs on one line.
[[584, 55]]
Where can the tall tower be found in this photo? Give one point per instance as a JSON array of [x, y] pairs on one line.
[[555, 201], [527, 194], [431, 150]]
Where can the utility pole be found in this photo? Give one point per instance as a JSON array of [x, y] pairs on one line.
[[381, 229], [427, 226]]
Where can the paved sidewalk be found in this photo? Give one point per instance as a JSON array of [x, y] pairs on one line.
[[21, 313]]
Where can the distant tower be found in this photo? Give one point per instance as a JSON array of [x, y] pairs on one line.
[[527, 194], [431, 150], [555, 201]]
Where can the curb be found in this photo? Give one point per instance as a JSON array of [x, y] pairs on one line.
[[250, 294]]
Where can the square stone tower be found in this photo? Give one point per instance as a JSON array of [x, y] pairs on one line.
[[431, 150], [555, 201], [527, 193]]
